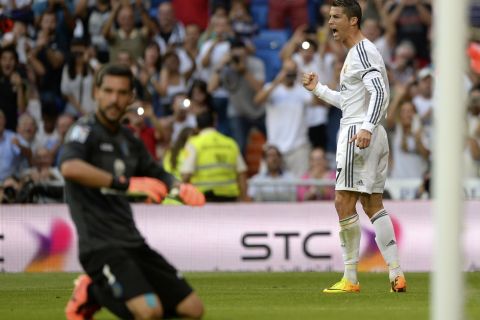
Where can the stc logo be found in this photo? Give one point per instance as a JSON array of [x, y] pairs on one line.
[[260, 244]]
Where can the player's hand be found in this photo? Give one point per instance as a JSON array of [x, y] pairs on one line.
[[154, 189], [189, 195], [310, 80], [362, 138]]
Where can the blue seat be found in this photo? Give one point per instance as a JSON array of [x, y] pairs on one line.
[[271, 39], [268, 44], [259, 14], [272, 61]]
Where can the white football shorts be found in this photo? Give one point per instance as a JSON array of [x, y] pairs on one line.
[[362, 170]]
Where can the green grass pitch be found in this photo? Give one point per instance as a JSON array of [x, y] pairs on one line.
[[262, 296]]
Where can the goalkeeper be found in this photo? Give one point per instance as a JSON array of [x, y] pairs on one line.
[[102, 163]]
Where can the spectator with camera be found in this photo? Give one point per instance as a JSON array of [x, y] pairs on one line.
[[308, 56], [243, 76], [286, 104]]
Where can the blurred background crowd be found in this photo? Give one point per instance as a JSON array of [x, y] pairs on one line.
[[239, 59]]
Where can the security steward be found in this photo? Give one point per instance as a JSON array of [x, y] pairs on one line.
[[214, 163]]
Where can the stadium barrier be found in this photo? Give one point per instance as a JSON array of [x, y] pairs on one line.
[[233, 237], [398, 189]]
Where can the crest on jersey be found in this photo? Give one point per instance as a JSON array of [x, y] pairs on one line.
[[78, 134], [119, 167]]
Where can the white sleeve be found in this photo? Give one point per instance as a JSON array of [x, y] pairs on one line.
[[327, 94], [375, 85]]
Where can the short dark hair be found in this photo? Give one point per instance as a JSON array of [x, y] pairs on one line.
[[206, 119], [351, 8], [117, 70]]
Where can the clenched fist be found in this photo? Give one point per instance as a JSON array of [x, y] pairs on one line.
[[310, 80]]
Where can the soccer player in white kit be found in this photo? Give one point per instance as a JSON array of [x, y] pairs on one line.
[[362, 148]]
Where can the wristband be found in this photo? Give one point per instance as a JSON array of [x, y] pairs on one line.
[[119, 185]]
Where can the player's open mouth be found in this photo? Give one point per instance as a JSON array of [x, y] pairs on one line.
[[334, 31]]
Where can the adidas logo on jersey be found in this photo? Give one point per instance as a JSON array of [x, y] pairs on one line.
[[360, 183]]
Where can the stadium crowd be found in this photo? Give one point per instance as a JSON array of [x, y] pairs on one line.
[[242, 60]]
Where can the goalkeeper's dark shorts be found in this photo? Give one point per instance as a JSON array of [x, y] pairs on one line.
[[120, 274]]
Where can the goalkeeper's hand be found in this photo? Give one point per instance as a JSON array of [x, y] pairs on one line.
[[153, 189], [188, 194]]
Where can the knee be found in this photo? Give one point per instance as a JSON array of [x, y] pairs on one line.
[[146, 306], [192, 307], [148, 313], [344, 205]]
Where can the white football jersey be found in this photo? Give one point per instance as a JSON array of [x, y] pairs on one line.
[[357, 75], [364, 89]]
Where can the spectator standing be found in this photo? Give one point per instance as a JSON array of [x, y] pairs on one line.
[[286, 104], [47, 59], [214, 163], [94, 18], [423, 100], [309, 56], [12, 88], [242, 75], [77, 80], [149, 76], [412, 20], [274, 183], [127, 37], [170, 33], [171, 80], [209, 60], [409, 152]]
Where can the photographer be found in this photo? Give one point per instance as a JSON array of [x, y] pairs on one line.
[[242, 75]]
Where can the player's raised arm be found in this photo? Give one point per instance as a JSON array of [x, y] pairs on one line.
[[310, 82]]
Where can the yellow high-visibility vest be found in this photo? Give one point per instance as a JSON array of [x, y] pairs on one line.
[[216, 163], [168, 166]]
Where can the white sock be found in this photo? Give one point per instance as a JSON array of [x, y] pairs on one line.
[[386, 242], [350, 241]]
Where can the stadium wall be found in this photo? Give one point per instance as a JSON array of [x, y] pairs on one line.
[[238, 237]]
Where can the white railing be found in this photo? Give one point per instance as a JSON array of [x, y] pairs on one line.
[[399, 189]]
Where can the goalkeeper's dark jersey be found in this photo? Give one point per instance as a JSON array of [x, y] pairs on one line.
[[103, 218]]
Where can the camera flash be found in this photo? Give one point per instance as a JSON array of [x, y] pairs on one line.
[[140, 111], [186, 103], [305, 45]]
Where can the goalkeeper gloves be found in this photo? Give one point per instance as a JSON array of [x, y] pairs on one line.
[[188, 194], [153, 189]]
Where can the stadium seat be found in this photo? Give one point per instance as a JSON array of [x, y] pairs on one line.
[[259, 12], [268, 44]]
